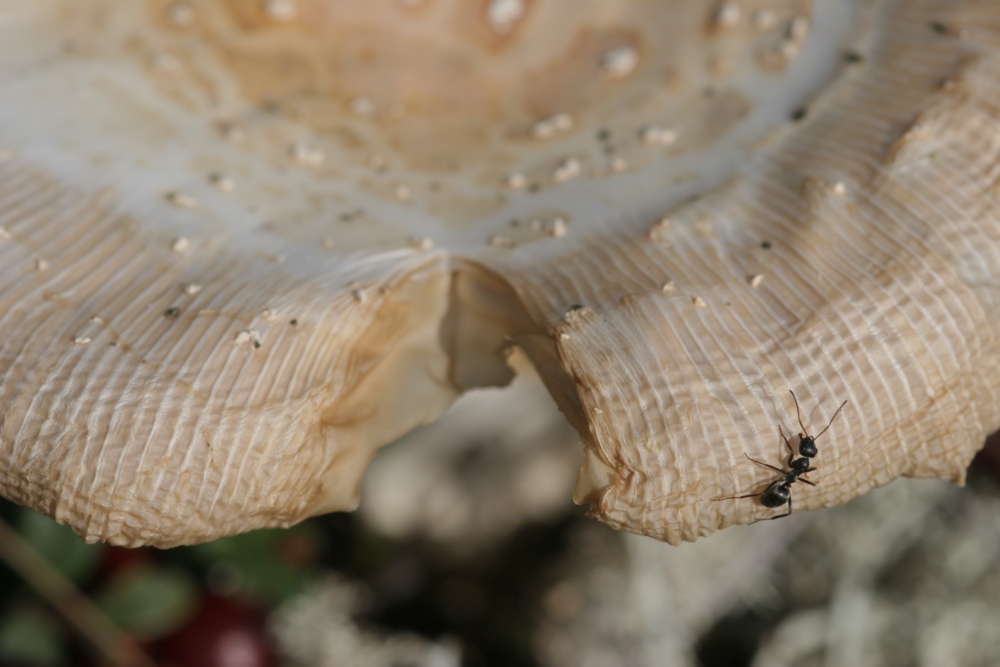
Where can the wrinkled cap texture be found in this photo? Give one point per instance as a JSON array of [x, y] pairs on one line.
[[244, 244]]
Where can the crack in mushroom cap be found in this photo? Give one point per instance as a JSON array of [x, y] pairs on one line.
[[241, 249]]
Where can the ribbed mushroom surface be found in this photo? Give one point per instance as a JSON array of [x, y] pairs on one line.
[[245, 244]]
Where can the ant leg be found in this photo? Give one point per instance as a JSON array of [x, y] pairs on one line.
[[791, 450], [778, 470], [749, 495], [803, 479], [831, 419], [788, 513], [752, 495]]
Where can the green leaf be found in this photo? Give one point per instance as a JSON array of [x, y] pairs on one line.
[[59, 545], [261, 564], [148, 603], [28, 636]]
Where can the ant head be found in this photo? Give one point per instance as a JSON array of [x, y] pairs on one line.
[[807, 446]]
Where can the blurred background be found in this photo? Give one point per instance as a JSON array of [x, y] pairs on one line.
[[468, 551]]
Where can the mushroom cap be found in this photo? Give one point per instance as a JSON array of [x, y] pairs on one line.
[[243, 245]]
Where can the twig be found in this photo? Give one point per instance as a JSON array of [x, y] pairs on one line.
[[113, 645]]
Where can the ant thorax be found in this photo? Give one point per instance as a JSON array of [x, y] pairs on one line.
[[800, 465]]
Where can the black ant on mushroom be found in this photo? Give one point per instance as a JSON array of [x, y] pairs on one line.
[[779, 490]]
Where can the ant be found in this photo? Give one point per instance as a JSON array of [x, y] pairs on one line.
[[779, 491]]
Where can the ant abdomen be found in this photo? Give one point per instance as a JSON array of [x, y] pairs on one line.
[[776, 496]]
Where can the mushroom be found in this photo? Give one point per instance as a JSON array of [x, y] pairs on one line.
[[244, 245]]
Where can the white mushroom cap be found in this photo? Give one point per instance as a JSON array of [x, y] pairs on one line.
[[243, 247]]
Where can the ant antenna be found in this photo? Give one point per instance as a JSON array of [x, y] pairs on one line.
[[799, 415], [831, 420]]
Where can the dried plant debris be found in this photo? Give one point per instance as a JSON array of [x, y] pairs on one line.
[[318, 630], [908, 575]]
